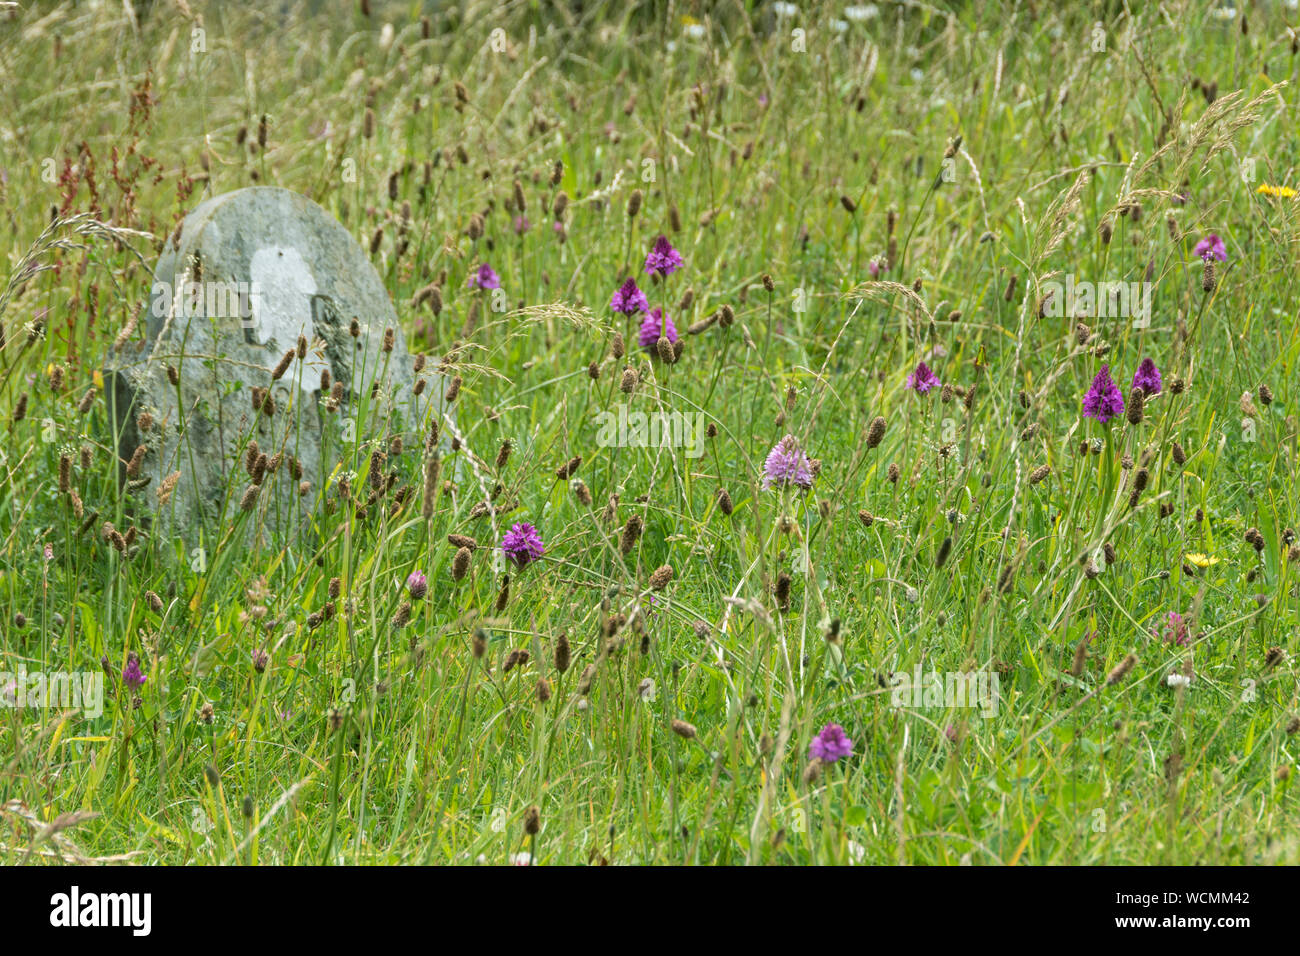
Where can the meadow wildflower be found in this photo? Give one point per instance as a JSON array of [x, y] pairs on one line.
[[417, 585], [1173, 631], [1211, 247], [787, 464], [522, 544], [629, 299], [830, 745], [131, 673], [1281, 192], [1103, 400], [1199, 560], [663, 258], [1147, 377], [922, 379], [484, 277], [655, 325]]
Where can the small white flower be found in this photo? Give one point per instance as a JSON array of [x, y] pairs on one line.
[[858, 14], [695, 31], [522, 858], [785, 9], [839, 26], [1178, 680], [1224, 13]]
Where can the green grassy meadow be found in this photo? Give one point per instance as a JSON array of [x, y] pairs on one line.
[[852, 191]]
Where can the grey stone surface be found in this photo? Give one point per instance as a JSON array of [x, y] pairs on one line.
[[249, 272]]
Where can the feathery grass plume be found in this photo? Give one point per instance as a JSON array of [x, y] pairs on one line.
[[876, 431], [1255, 539], [664, 349], [1265, 395], [893, 474], [849, 205], [634, 203], [724, 501], [249, 497], [1081, 654], [627, 384], [1121, 670], [631, 533], [460, 563], [167, 487], [517, 657], [945, 548], [569, 468], [1136, 401], [503, 595], [684, 730], [782, 591], [20, 409], [660, 578], [403, 615], [562, 653], [866, 518], [65, 473], [703, 325], [137, 459], [582, 493], [453, 390], [283, 365], [1209, 278], [1274, 657], [585, 679]]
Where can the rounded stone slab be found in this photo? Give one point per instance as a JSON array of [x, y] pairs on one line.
[[244, 277]]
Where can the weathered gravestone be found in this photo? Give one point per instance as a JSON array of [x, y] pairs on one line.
[[249, 276]]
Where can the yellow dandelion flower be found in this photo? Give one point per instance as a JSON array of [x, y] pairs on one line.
[[1200, 560], [1281, 192], [98, 378]]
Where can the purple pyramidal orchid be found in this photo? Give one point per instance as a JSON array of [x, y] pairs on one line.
[[922, 379], [663, 258], [654, 325], [1212, 247], [787, 464], [522, 544], [484, 277], [1147, 377], [1103, 400], [628, 299], [830, 745]]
